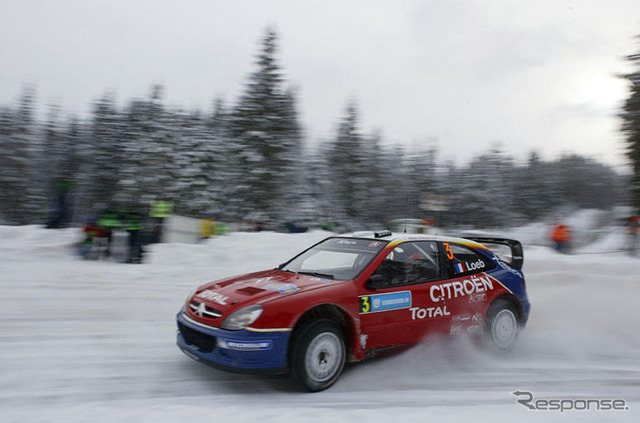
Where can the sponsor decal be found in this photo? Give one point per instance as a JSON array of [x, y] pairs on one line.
[[428, 313], [385, 302], [213, 296], [478, 297], [245, 345], [456, 329], [263, 281], [461, 317], [476, 265], [284, 288], [346, 242], [314, 279], [462, 288], [477, 324], [506, 267], [468, 267], [375, 244], [475, 329]]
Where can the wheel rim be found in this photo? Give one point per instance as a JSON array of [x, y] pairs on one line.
[[324, 357], [504, 328]]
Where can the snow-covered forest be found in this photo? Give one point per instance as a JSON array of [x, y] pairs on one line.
[[251, 161]]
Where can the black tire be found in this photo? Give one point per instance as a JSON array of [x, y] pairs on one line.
[[318, 355], [502, 326]]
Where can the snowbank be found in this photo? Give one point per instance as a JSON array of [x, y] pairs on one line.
[[95, 341]]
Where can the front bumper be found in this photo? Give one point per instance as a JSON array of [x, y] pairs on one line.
[[238, 351]]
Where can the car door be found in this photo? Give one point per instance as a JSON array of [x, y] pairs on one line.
[[467, 289], [396, 309]]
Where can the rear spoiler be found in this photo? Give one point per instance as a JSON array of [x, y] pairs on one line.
[[515, 255]]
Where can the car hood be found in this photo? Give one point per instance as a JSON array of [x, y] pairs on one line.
[[233, 293]]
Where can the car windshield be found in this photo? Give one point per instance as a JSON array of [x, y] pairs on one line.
[[336, 258]]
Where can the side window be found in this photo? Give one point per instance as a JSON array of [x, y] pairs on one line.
[[463, 260], [411, 262]]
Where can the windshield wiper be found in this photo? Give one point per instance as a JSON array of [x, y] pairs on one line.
[[319, 275]]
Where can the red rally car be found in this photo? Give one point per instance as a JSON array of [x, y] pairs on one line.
[[351, 296]]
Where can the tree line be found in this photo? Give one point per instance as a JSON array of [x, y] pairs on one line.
[[249, 162]]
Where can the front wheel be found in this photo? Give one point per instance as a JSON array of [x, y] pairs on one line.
[[502, 326], [318, 355]]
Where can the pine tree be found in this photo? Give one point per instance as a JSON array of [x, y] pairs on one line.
[[21, 199], [199, 164], [422, 169], [631, 128], [315, 204], [222, 163], [104, 156], [346, 160], [586, 183], [74, 135], [265, 136], [378, 192], [390, 185], [148, 149], [219, 119], [291, 162], [51, 162], [13, 165], [482, 191], [535, 193]]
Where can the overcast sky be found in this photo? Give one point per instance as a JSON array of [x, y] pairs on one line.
[[460, 74]]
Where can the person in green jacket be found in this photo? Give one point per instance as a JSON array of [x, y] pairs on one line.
[[160, 209], [109, 221]]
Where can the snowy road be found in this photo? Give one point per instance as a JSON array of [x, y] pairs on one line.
[[95, 341]]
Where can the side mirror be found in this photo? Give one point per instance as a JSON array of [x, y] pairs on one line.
[[375, 282]]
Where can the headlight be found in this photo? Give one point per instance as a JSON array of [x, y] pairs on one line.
[[242, 318]]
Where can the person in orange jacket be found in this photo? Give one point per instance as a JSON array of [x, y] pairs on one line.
[[561, 236]]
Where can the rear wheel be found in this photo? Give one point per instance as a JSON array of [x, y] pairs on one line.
[[502, 326], [318, 355]]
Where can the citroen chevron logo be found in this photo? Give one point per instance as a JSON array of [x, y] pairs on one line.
[[201, 309]]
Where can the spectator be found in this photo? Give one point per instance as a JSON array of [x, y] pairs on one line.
[[90, 245], [561, 236], [133, 225], [207, 226], [161, 208], [109, 221]]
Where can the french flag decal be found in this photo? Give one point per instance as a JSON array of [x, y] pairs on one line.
[[460, 268]]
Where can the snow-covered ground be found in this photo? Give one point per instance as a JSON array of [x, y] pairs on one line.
[[84, 341]]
